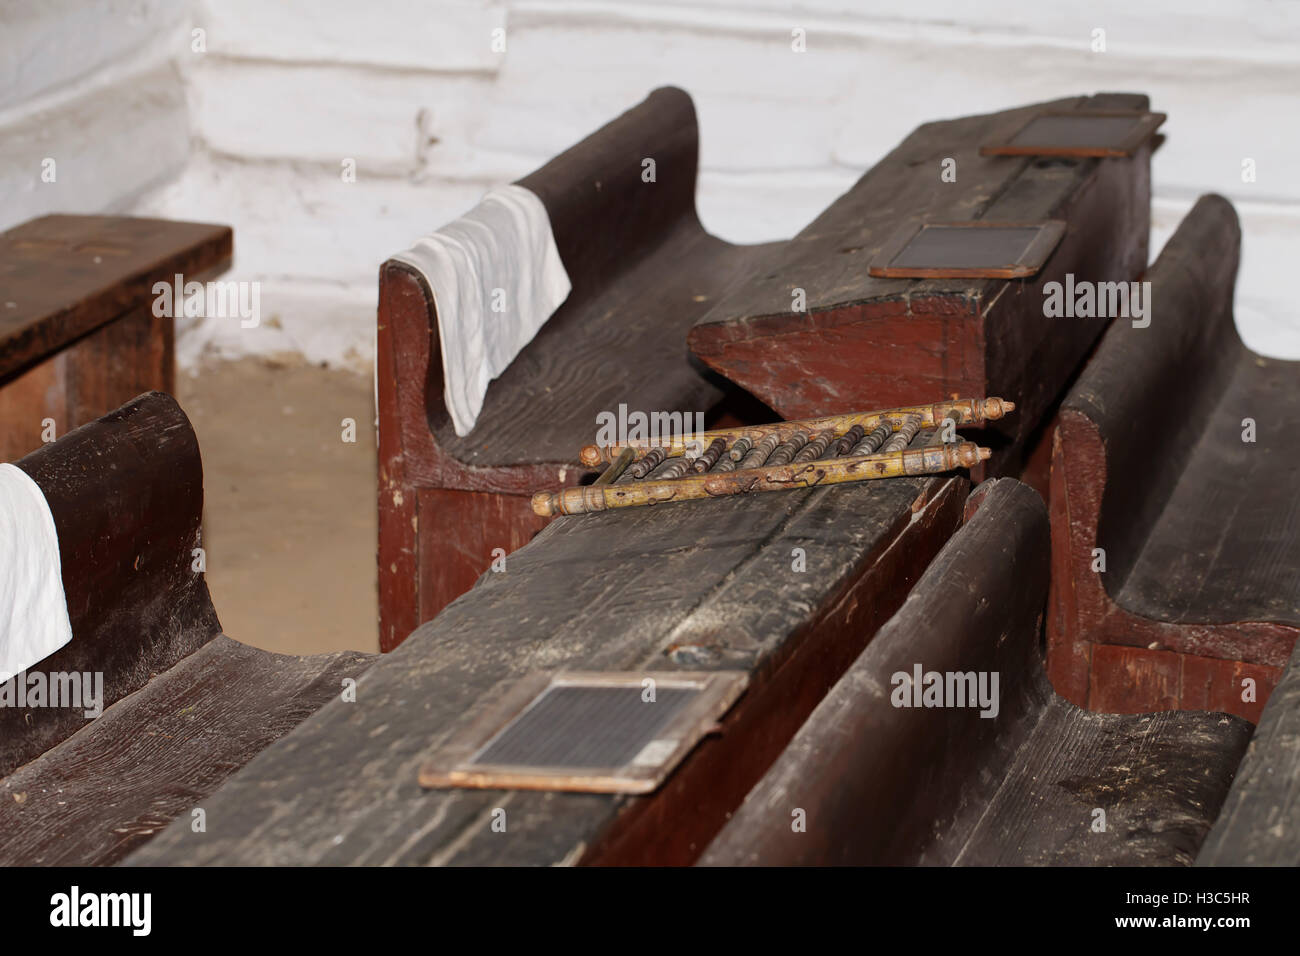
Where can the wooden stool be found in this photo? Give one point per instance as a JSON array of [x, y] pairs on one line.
[[78, 333]]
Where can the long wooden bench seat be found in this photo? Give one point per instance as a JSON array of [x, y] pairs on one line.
[[154, 755], [1040, 781], [854, 340], [184, 706], [1155, 479], [78, 333], [642, 269], [786, 587]]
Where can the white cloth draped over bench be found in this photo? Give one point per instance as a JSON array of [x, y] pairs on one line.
[[496, 277], [33, 610]]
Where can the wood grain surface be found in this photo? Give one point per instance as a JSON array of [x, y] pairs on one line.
[[869, 342], [880, 784], [1260, 822], [126, 494], [1201, 530], [66, 275], [155, 754], [645, 274], [643, 270], [78, 336], [703, 585]]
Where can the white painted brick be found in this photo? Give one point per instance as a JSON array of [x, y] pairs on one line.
[[287, 89], [764, 207], [46, 44], [1219, 112], [1243, 29], [385, 120], [445, 35], [761, 105], [302, 221], [108, 147], [322, 322]]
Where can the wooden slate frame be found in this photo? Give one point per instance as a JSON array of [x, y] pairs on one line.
[[1026, 264], [885, 785], [1202, 584], [457, 764], [938, 336], [1143, 130]]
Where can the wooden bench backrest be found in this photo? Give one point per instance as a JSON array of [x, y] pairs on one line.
[[603, 213], [126, 494], [1147, 391], [905, 772]]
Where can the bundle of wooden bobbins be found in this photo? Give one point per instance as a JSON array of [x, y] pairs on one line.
[[734, 461]]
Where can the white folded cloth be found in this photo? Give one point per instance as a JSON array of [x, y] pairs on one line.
[[496, 277], [33, 610]]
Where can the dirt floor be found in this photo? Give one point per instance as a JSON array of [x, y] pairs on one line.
[[289, 506]]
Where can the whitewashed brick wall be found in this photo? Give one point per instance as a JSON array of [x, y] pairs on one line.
[[253, 130]]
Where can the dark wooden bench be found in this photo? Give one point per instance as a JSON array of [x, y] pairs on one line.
[[867, 342], [882, 784], [695, 585], [642, 269], [78, 334], [645, 274], [185, 706], [1200, 530], [1260, 822]]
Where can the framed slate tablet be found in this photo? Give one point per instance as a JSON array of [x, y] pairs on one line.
[[977, 249], [1079, 133], [599, 732]]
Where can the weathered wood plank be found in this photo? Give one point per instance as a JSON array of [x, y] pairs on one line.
[[154, 755], [692, 586], [884, 784], [67, 275], [645, 273], [460, 530], [642, 270]]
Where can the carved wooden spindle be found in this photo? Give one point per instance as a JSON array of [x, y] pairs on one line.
[[873, 441], [844, 444], [788, 449], [761, 451], [903, 437], [816, 448], [711, 455]]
